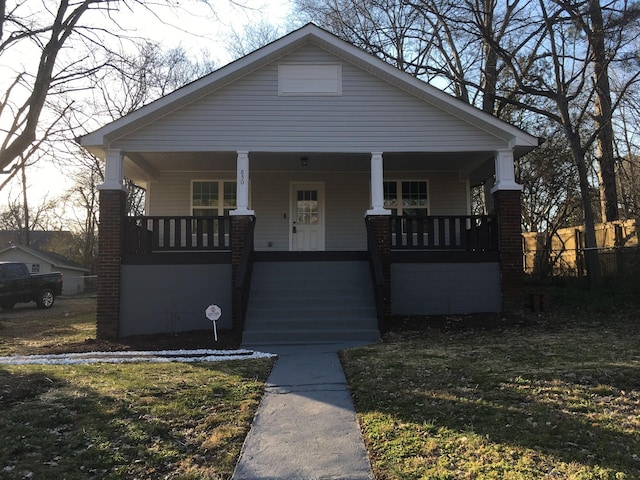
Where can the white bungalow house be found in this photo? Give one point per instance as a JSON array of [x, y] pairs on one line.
[[274, 182]]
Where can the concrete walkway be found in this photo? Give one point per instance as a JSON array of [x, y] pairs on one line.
[[305, 427]]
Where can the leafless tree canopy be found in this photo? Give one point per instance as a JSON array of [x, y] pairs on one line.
[[554, 59]]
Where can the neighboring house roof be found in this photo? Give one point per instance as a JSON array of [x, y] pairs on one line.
[[100, 140], [53, 258]]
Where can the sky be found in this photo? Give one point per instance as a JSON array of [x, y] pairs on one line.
[[197, 30]]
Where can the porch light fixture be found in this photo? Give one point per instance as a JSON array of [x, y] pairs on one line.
[[304, 161]]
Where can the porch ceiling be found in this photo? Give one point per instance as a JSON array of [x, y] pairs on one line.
[[144, 166]]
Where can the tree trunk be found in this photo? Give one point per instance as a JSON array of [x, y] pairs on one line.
[[25, 205], [592, 259], [603, 115], [490, 79]]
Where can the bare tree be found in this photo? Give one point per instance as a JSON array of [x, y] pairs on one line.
[[562, 77], [550, 197], [252, 37], [607, 31], [628, 164], [143, 73], [131, 80], [41, 217], [54, 48], [392, 30]]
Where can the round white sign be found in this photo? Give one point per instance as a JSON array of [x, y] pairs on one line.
[[213, 312]]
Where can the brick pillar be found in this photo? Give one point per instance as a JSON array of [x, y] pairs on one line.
[[381, 229], [508, 209], [240, 224], [110, 244]]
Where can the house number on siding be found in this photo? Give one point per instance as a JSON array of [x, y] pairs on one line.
[[241, 177]]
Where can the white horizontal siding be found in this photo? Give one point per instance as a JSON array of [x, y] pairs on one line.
[[448, 195], [249, 114]]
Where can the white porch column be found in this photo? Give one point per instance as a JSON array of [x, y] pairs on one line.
[[377, 190], [242, 185], [113, 171], [505, 172]]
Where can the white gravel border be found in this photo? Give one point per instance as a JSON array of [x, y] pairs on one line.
[[159, 356]]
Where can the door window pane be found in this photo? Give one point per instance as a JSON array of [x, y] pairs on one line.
[[307, 207]]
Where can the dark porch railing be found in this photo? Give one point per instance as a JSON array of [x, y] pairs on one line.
[[463, 233], [144, 234]]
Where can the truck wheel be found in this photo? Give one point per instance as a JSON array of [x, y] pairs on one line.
[[7, 306], [45, 298]]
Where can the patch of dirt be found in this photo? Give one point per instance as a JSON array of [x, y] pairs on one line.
[[469, 322], [63, 306], [199, 339], [24, 315]]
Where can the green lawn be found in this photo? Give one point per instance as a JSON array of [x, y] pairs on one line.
[[556, 399], [109, 421], [127, 421]]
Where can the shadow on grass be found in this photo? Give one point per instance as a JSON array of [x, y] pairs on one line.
[[54, 427], [474, 400], [510, 416]]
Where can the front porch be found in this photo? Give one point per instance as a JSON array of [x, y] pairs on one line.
[[173, 267]]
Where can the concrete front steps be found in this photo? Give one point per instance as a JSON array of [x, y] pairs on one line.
[[306, 302]]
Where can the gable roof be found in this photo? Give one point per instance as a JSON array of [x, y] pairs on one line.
[[49, 257], [98, 141]]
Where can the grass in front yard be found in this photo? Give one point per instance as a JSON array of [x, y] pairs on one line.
[[560, 399], [111, 421], [106, 421], [25, 329]]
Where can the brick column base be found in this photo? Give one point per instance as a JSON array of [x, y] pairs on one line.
[[240, 225], [110, 243], [508, 208], [380, 228]]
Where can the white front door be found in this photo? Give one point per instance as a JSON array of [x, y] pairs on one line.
[[306, 231]]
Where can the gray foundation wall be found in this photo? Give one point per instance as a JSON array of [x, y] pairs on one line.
[[173, 298], [445, 288]]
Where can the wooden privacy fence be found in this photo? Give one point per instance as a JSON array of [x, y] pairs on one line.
[[617, 243]]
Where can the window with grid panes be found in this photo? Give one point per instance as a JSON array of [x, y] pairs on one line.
[[406, 198], [213, 198]]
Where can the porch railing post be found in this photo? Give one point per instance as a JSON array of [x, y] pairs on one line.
[[379, 233], [508, 209], [110, 247], [241, 250]]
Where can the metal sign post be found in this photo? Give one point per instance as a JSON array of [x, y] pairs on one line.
[[213, 313]]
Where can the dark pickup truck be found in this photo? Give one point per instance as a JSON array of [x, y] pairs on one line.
[[17, 285]]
